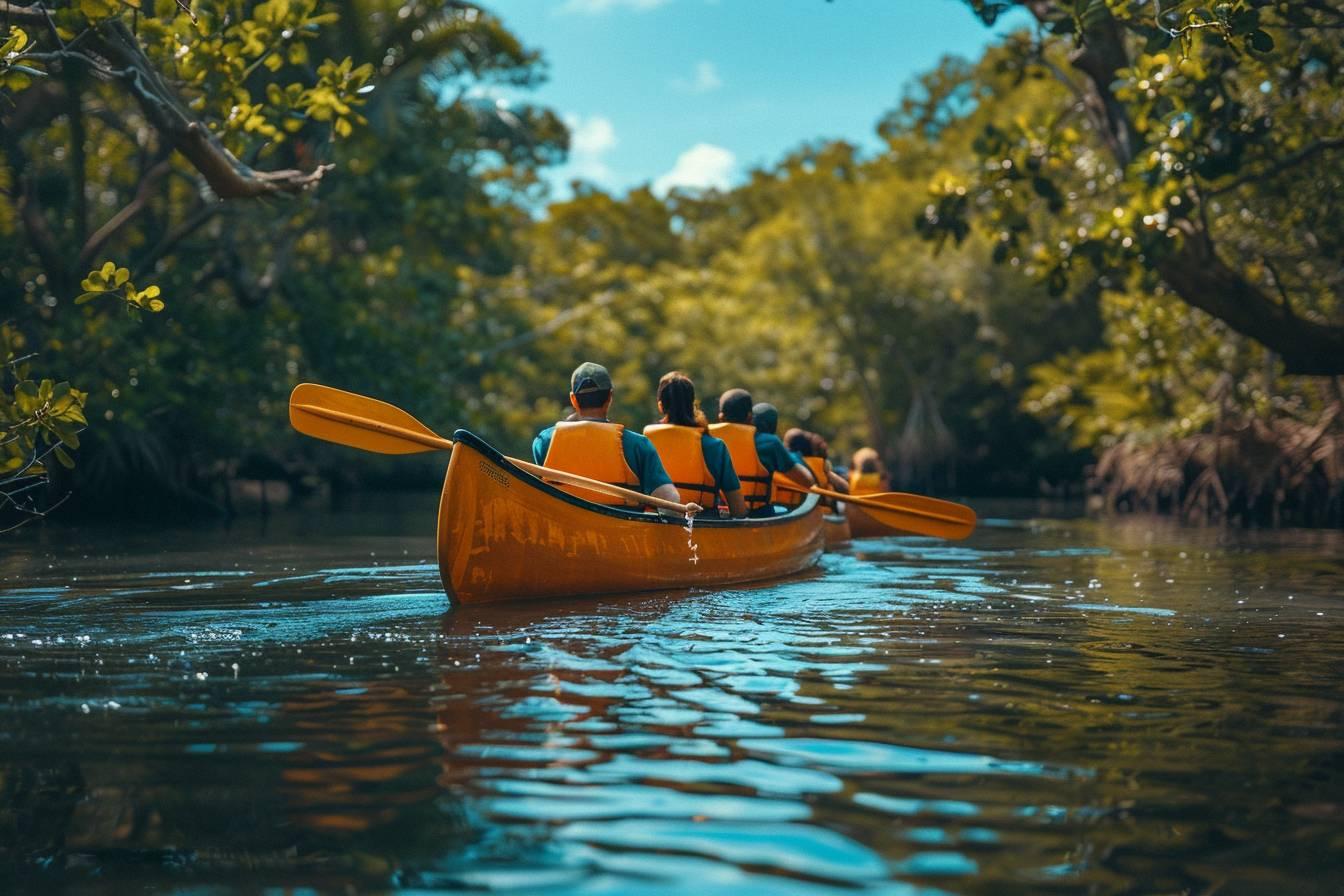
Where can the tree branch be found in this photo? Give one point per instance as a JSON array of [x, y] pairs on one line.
[[1308, 346], [227, 176], [128, 213], [1292, 160]]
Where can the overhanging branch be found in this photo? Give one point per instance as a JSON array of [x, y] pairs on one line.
[[112, 43]]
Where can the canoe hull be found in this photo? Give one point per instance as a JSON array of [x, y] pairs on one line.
[[836, 529], [506, 535], [861, 525]]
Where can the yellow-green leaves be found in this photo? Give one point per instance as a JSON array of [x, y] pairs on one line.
[[15, 44], [112, 280], [336, 91], [36, 418]]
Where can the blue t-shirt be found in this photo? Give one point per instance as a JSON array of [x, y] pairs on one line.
[[774, 456], [639, 454], [720, 463]]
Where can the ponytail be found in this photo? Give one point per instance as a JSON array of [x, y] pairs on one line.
[[676, 393]]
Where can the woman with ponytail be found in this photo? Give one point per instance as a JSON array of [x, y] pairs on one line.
[[698, 463]]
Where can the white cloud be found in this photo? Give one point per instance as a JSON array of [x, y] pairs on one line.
[[703, 166], [704, 79], [590, 139], [597, 7]]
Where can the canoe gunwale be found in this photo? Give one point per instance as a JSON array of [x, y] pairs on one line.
[[629, 515]]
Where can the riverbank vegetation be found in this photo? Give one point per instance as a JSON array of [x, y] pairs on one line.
[[1102, 252]]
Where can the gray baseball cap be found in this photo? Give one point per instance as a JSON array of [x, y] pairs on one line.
[[589, 377]]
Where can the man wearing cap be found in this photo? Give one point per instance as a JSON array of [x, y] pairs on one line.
[[760, 454], [589, 444]]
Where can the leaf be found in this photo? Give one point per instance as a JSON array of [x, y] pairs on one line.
[[66, 460], [107, 271], [86, 297], [121, 276]]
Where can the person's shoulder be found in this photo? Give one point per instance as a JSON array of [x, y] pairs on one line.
[[632, 437], [711, 441], [768, 438], [547, 432]]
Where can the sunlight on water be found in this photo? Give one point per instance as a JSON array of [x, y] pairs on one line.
[[1102, 708]]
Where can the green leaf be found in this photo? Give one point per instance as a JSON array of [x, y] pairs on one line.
[[86, 297], [66, 460]]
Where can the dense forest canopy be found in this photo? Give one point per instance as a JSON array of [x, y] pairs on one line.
[[1126, 245]]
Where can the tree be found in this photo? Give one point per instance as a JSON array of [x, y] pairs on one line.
[[1198, 148], [298, 221]]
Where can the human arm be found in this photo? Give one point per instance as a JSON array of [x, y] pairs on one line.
[[669, 493], [737, 505], [838, 482], [800, 474], [539, 447]]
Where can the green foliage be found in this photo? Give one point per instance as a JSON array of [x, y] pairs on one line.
[[354, 280], [39, 419], [1186, 145], [112, 280]]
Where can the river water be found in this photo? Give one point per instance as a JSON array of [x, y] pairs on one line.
[[1053, 706]]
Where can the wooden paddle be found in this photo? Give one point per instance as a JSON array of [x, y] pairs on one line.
[[904, 512], [362, 422]]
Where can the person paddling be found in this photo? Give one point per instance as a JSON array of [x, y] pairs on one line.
[[589, 444], [698, 463], [756, 455], [866, 473], [815, 453]]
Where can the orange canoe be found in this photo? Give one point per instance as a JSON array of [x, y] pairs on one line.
[[837, 529], [861, 525], [506, 535]]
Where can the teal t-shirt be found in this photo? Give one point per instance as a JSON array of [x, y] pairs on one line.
[[720, 463], [639, 454], [774, 456]]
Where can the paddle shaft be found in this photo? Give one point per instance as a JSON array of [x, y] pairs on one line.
[[858, 501], [442, 444]]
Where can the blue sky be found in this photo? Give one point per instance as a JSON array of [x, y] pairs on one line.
[[698, 92]]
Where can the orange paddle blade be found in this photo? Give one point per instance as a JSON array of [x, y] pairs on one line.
[[907, 513], [918, 513], [359, 421]]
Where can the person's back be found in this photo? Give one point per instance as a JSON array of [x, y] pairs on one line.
[[812, 450], [866, 475], [591, 448], [590, 445], [699, 464], [756, 455]]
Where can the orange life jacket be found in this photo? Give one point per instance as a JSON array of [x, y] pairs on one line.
[[864, 483], [683, 457], [819, 467], [741, 441], [591, 448]]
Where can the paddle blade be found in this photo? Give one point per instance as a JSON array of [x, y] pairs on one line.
[[364, 421], [917, 514]]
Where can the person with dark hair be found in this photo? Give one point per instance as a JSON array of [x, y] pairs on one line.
[[589, 444], [765, 417], [697, 462], [815, 453], [756, 455]]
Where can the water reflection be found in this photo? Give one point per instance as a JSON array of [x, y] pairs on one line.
[[1065, 706]]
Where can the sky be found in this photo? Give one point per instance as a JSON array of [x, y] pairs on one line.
[[695, 93]]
